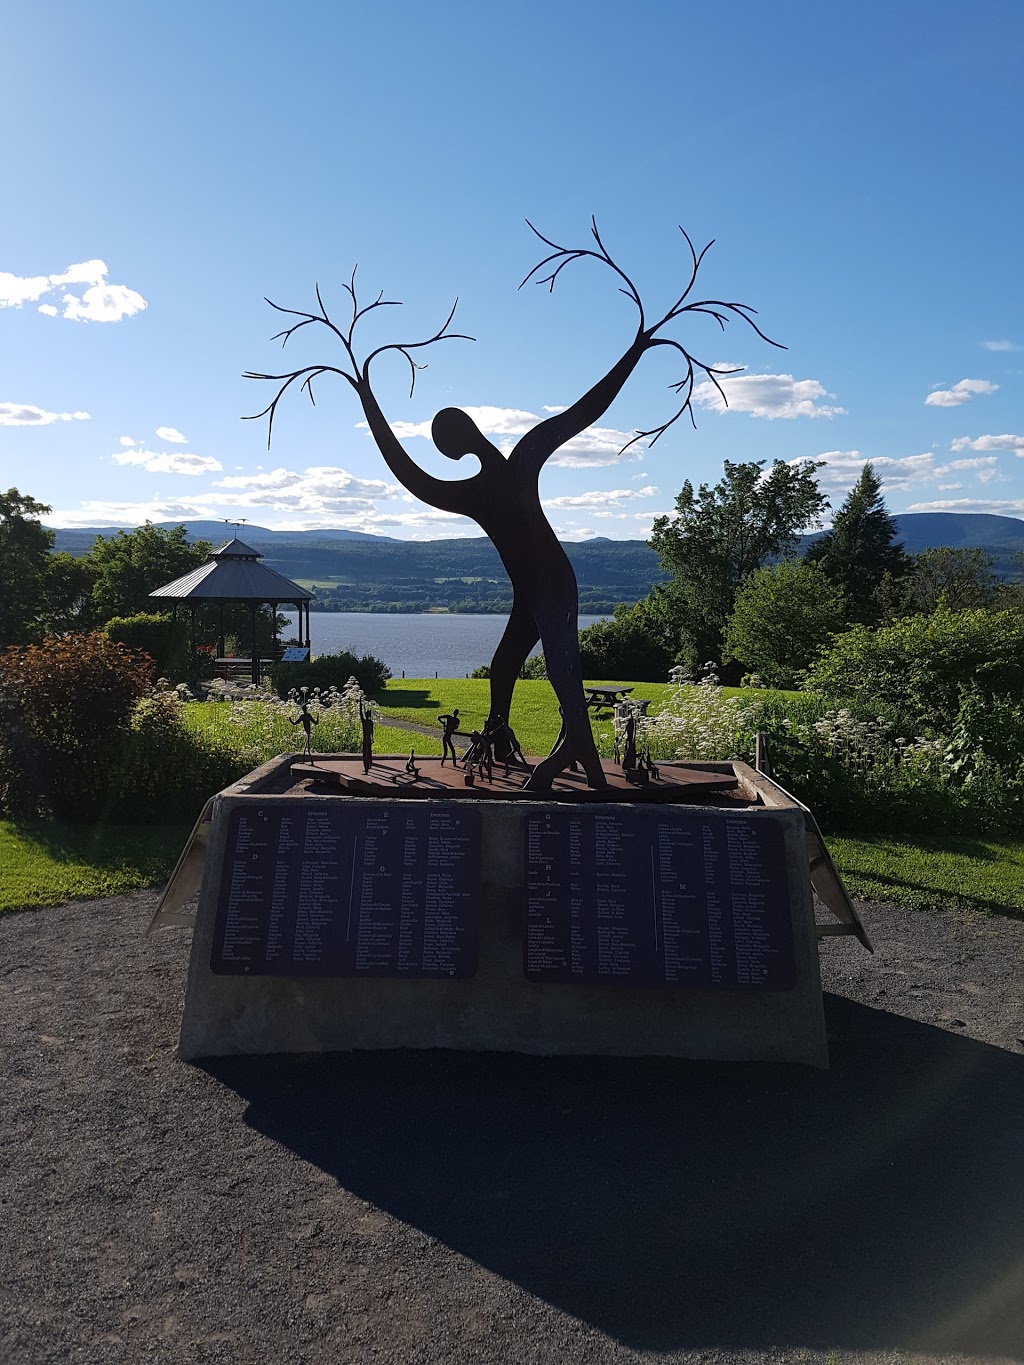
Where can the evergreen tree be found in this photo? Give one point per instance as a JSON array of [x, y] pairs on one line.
[[861, 548]]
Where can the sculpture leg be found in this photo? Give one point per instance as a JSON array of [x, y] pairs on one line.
[[562, 656], [519, 637]]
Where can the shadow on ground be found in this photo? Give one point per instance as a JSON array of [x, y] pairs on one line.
[[674, 1205]]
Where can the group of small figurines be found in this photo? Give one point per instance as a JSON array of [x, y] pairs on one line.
[[479, 759]]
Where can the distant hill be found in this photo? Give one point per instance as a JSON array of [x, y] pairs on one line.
[[78, 540], [352, 571]]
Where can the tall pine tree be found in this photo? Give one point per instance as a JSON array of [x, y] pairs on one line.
[[861, 549]]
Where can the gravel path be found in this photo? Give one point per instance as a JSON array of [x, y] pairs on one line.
[[441, 1207]]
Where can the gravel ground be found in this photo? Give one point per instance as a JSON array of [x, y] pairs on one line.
[[443, 1207]]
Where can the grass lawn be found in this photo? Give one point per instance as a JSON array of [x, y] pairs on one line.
[[48, 864], [971, 871], [534, 708]]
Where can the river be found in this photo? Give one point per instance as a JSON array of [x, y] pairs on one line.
[[418, 644]]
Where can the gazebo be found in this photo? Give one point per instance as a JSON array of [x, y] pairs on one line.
[[233, 573]]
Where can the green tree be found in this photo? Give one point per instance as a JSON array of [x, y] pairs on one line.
[[67, 593], [24, 549], [785, 614], [960, 578], [131, 564], [634, 644], [720, 535], [861, 550]]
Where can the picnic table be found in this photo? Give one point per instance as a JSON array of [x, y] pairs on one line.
[[598, 698]]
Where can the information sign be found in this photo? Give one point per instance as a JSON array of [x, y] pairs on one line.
[[329, 889], [657, 897]]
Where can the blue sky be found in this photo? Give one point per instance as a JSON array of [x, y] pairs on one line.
[[166, 167]]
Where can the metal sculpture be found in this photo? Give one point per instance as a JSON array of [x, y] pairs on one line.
[[451, 727], [503, 497], [307, 720], [366, 721]]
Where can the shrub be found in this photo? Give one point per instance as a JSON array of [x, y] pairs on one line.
[[782, 618], [165, 640], [167, 771], [915, 668], [330, 670], [66, 706], [258, 727], [631, 645], [534, 668]]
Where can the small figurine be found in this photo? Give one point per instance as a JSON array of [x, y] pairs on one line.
[[629, 748], [470, 777], [503, 740], [480, 755], [366, 717], [451, 727], [307, 721], [411, 767]]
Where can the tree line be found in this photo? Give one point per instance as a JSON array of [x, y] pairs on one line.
[[738, 598]]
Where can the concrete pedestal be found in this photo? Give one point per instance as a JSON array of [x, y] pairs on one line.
[[498, 1009]]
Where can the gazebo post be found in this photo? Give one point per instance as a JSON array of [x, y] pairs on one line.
[[220, 634], [273, 618], [255, 651]]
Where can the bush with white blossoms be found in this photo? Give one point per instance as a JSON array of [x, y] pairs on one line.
[[260, 726]]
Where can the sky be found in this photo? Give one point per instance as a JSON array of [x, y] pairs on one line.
[[167, 167]]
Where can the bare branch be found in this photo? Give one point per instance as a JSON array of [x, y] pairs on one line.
[[564, 255], [308, 373], [442, 334]]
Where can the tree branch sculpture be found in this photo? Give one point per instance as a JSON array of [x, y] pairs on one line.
[[503, 496]]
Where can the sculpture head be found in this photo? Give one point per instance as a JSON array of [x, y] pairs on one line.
[[456, 434]]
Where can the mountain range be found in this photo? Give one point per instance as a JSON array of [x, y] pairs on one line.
[[356, 571]]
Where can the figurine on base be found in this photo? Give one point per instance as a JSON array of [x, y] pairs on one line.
[[307, 721], [451, 727], [411, 767], [366, 717]]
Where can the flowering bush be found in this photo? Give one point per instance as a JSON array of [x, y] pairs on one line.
[[260, 725], [65, 714], [852, 768]]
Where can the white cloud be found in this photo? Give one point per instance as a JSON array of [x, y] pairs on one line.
[[99, 302], [767, 395], [171, 434], [944, 487], [600, 497], [1013, 507], [592, 448], [975, 462], [109, 303], [167, 461], [1001, 346], [322, 492], [127, 441], [25, 415], [1004, 442], [843, 468], [96, 513], [961, 392]]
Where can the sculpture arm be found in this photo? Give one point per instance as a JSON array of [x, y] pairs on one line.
[[448, 495], [540, 444]]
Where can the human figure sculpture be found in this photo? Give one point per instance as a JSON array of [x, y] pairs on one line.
[[307, 720], [366, 719], [504, 742], [502, 496], [410, 766], [480, 755], [451, 727]]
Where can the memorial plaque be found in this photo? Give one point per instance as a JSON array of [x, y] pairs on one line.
[[657, 897], [328, 889]]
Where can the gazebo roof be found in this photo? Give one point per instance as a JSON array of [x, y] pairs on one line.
[[233, 573]]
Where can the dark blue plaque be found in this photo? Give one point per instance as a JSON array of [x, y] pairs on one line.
[[329, 889], [657, 897]]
